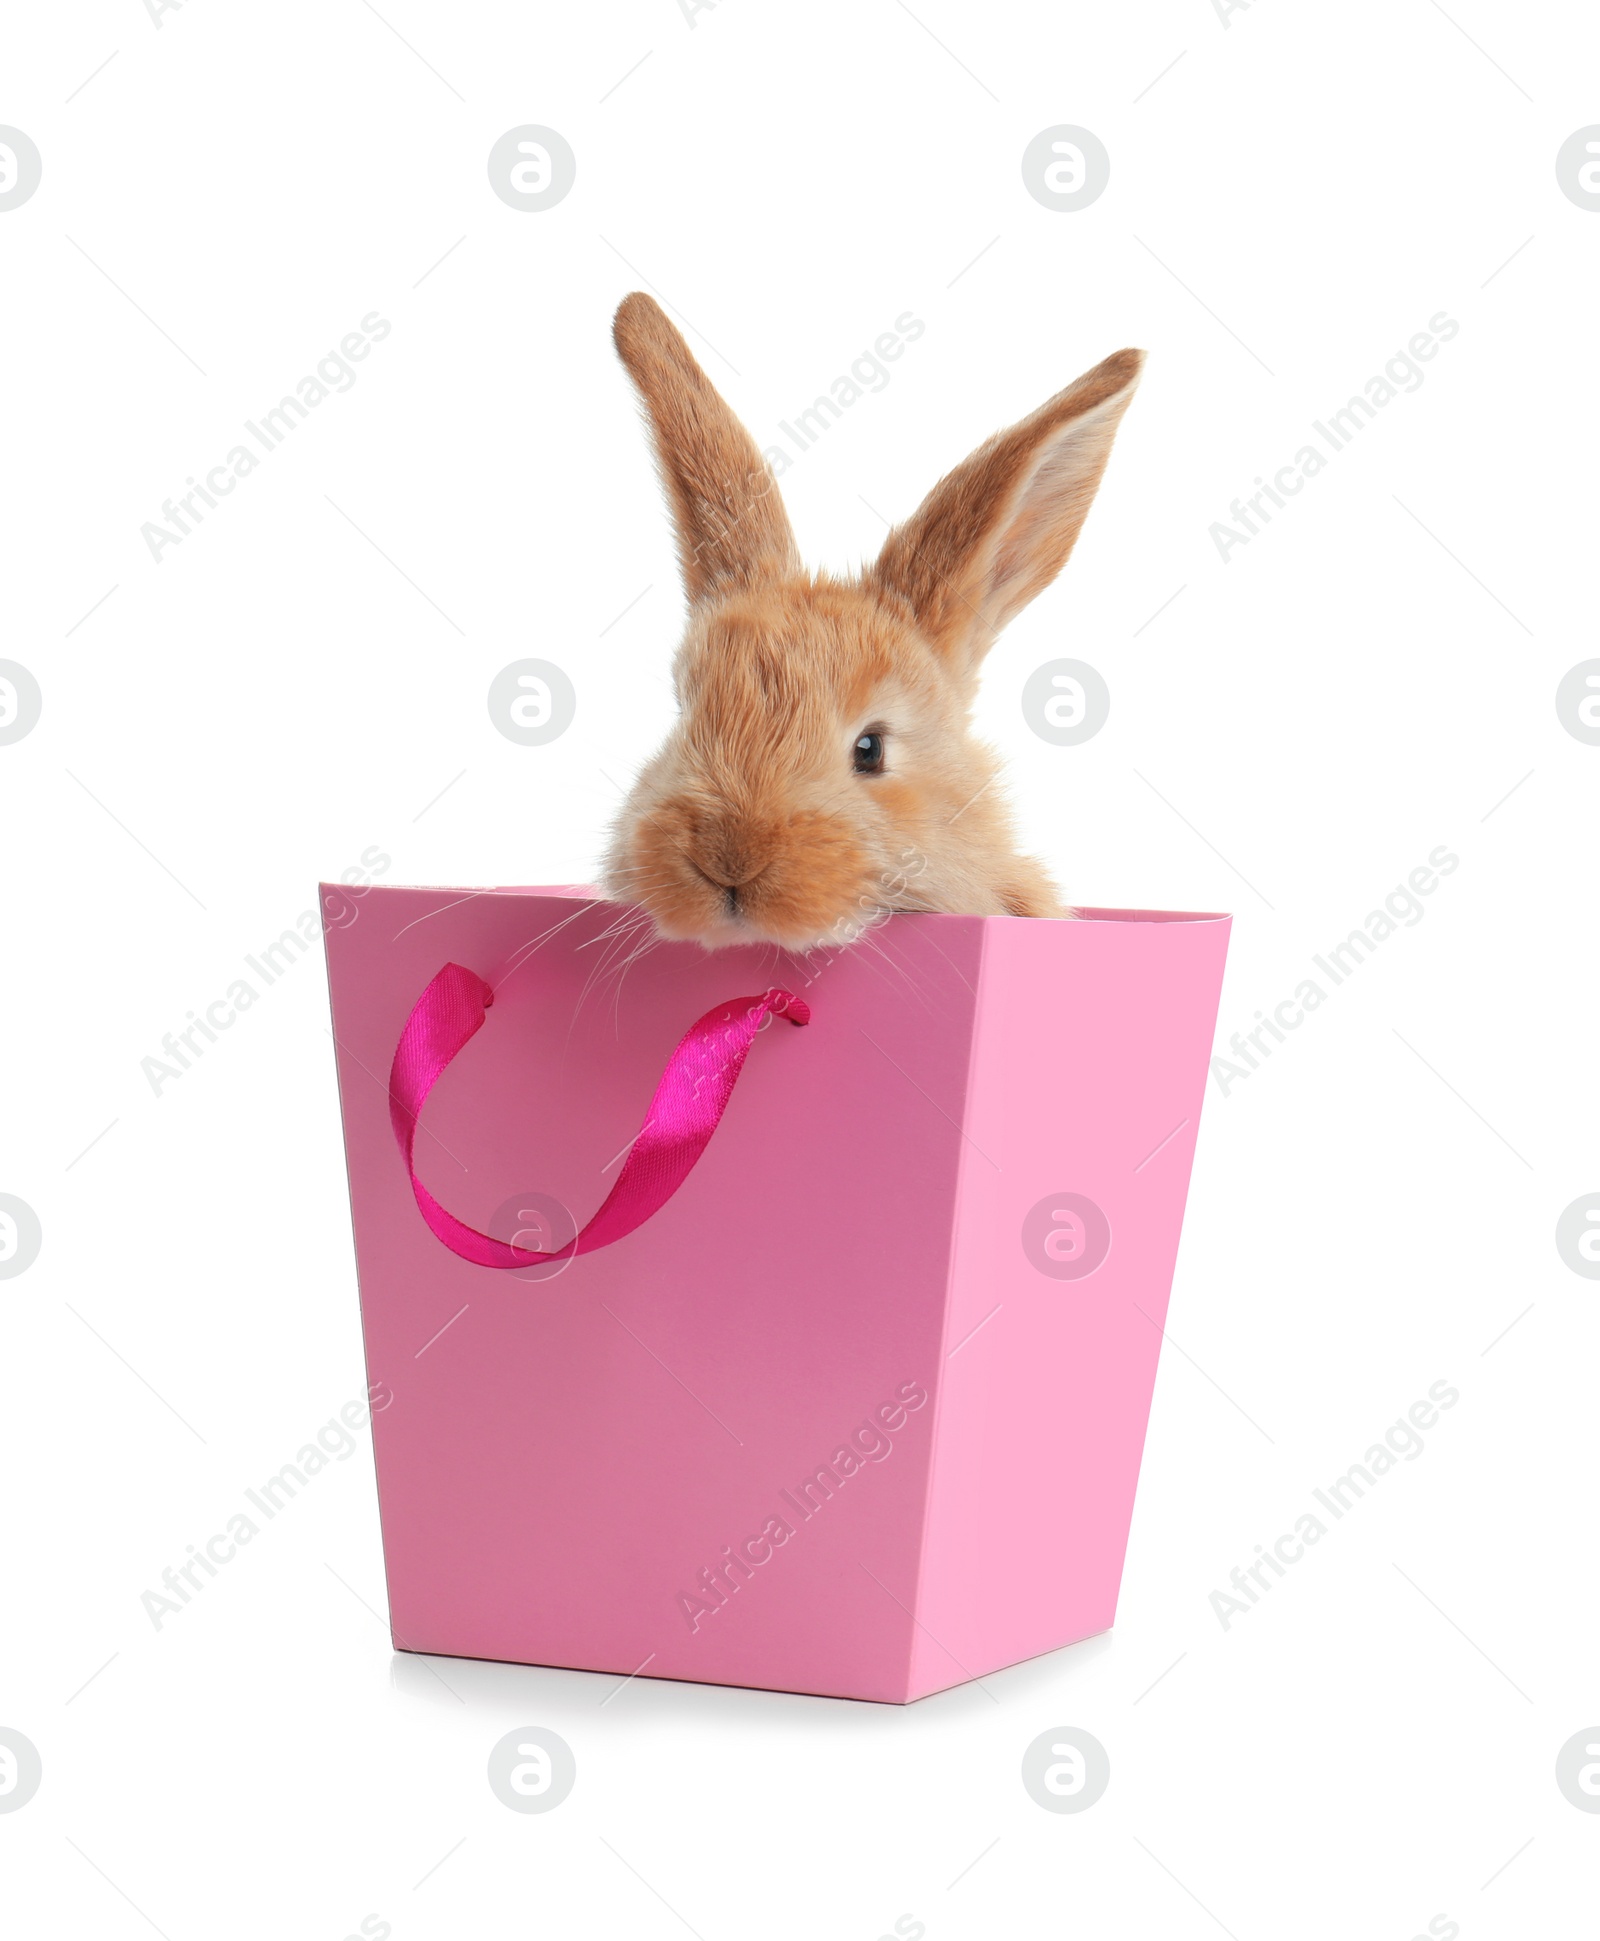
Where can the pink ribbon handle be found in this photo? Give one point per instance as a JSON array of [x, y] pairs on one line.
[[688, 1105]]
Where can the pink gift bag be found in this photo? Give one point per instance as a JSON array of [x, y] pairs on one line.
[[767, 1321]]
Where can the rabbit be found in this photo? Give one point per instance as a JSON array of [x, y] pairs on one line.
[[822, 771]]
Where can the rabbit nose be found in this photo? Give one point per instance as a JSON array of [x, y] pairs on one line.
[[726, 875], [728, 858]]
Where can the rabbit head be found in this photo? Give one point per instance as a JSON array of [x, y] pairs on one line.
[[822, 770]]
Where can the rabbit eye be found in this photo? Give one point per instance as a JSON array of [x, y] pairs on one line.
[[867, 754]]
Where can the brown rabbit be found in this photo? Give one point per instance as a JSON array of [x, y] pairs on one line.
[[823, 770]]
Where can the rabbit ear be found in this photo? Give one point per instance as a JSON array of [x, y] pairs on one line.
[[997, 530], [731, 524]]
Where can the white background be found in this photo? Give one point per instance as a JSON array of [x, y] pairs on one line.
[[1374, 1744]]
